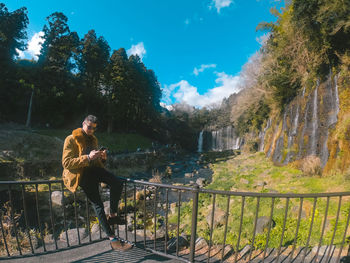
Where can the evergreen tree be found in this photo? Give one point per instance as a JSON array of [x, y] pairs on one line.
[[92, 64], [57, 81], [12, 37]]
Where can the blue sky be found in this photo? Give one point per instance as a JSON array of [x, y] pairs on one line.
[[195, 47]]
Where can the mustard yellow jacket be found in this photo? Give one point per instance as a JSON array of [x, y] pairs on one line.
[[73, 159]]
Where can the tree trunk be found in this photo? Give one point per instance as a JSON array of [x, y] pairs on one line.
[[29, 114]]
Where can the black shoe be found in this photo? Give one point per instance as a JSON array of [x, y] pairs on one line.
[[115, 220]]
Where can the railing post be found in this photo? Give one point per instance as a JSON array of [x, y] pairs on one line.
[[194, 222]]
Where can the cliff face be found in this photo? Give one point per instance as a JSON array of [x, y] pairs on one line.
[[316, 122]]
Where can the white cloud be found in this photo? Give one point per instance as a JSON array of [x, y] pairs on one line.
[[219, 4], [20, 53], [138, 49], [185, 92], [168, 107], [34, 46], [202, 68]]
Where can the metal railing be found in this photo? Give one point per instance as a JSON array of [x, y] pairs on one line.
[[190, 224]]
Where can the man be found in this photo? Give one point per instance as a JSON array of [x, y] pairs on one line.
[[83, 166]]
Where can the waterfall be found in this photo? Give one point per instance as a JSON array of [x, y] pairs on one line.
[[301, 143], [213, 140], [200, 142], [224, 139], [295, 122], [313, 147], [336, 94], [237, 144], [303, 94]]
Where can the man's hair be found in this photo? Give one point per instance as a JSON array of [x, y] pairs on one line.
[[91, 118]]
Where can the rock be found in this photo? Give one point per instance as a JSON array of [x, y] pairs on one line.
[[244, 181], [57, 198], [188, 175], [73, 235], [140, 232], [171, 245], [295, 211], [95, 228], [177, 170], [201, 243], [160, 233], [49, 239], [201, 182], [260, 184], [173, 208], [233, 189], [263, 223], [219, 216]]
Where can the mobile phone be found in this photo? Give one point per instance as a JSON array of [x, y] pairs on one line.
[[102, 148]]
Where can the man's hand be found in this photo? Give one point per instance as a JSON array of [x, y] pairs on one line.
[[94, 154], [104, 154]]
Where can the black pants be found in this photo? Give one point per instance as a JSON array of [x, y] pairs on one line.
[[91, 178]]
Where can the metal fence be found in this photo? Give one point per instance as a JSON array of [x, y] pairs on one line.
[[190, 224]]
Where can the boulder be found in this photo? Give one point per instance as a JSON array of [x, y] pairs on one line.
[[219, 216], [263, 223], [295, 212], [73, 235], [95, 228], [188, 175], [201, 182], [183, 243], [57, 198], [244, 181]]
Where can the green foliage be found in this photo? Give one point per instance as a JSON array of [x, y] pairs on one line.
[[307, 39], [74, 77], [253, 118]]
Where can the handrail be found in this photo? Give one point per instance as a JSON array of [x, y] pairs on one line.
[[210, 191], [239, 209]]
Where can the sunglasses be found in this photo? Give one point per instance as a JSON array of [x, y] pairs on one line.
[[90, 127]]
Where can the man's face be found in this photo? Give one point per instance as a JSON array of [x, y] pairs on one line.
[[89, 127]]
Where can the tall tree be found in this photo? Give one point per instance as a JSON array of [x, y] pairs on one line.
[[92, 65], [12, 38], [56, 59], [116, 89]]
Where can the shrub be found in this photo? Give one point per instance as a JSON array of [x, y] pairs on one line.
[[311, 165]]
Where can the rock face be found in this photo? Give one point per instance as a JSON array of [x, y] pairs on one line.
[[312, 124], [303, 129]]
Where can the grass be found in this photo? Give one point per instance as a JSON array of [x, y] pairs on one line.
[[255, 173]]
